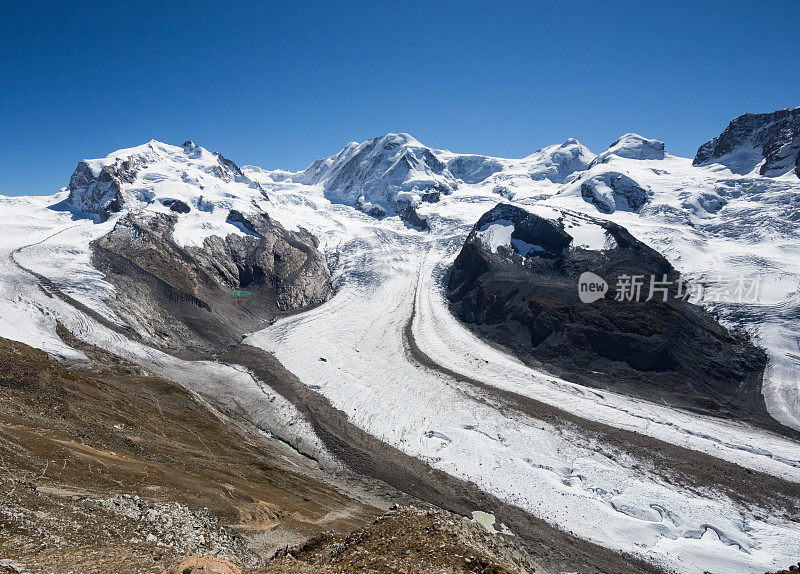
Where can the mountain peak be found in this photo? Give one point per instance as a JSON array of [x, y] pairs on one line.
[[769, 142], [557, 162], [388, 174], [154, 171], [400, 138], [633, 146]]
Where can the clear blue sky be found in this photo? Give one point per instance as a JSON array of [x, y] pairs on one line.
[[279, 85]]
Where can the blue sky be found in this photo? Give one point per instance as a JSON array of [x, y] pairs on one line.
[[281, 84]]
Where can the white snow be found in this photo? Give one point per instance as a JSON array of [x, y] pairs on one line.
[[633, 146], [563, 478], [385, 174], [192, 175], [498, 234], [587, 234]]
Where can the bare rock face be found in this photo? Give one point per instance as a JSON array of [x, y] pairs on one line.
[[523, 293], [750, 139], [176, 205], [184, 296], [100, 192]]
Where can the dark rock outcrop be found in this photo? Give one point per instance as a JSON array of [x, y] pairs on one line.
[[184, 296], [412, 218], [612, 191], [100, 193], [772, 137], [673, 351], [176, 205]]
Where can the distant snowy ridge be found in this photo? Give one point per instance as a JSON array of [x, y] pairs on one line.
[[633, 146], [610, 183], [395, 174], [391, 175]]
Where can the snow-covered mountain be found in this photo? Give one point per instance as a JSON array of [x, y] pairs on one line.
[[395, 174], [202, 186], [189, 229], [392, 174], [610, 181], [338, 272], [769, 143], [633, 146]]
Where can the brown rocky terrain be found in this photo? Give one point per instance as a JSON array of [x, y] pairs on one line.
[[408, 539], [106, 468], [110, 460]]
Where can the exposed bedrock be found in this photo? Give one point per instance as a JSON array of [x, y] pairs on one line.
[[527, 300], [613, 191], [100, 192], [771, 139], [180, 297]]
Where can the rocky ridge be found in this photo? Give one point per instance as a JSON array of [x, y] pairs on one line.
[[180, 296], [770, 140], [516, 282]]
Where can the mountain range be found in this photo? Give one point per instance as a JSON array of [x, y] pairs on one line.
[[412, 318]]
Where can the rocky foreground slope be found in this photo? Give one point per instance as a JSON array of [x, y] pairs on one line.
[[103, 458], [106, 468]]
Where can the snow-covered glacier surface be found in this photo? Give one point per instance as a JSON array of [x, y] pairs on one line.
[[387, 273], [706, 220], [709, 222]]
